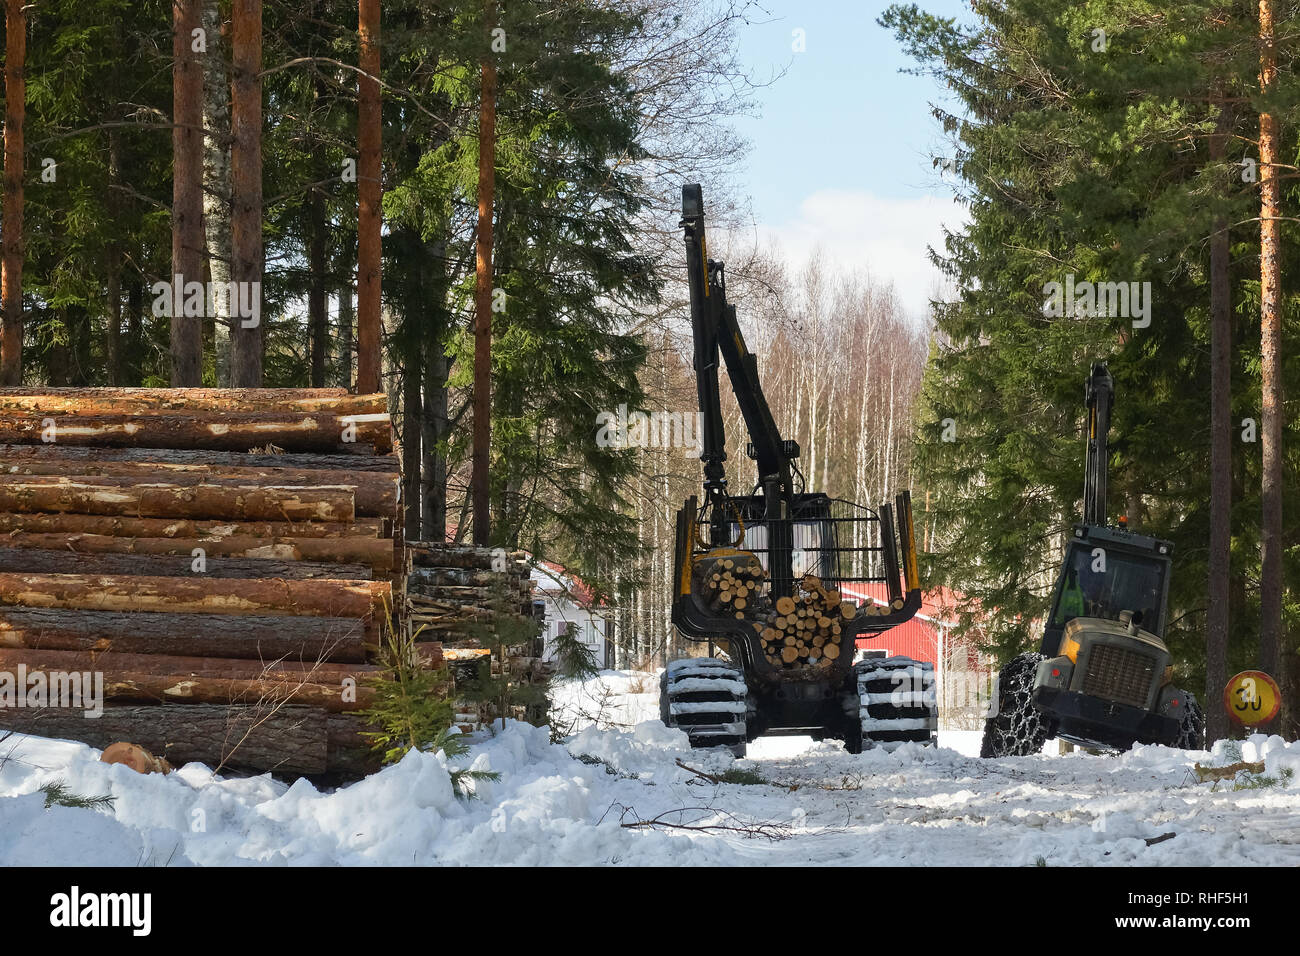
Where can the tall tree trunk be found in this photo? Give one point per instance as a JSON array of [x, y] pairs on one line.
[[317, 264], [247, 263], [187, 189], [1217, 616], [1270, 599], [408, 352], [433, 526], [11, 266], [412, 433], [369, 197], [346, 313], [483, 286], [113, 281], [216, 180]]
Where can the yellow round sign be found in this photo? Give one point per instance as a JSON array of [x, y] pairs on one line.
[[1252, 698]]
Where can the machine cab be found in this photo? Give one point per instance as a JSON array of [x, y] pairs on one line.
[[1107, 571]]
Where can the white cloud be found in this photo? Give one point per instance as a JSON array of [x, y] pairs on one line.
[[859, 230]]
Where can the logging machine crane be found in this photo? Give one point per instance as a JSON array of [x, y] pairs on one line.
[[770, 575], [1102, 676]]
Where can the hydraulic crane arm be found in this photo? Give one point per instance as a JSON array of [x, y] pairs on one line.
[[716, 332], [1099, 394]]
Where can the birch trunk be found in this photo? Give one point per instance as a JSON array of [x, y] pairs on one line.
[[216, 179]]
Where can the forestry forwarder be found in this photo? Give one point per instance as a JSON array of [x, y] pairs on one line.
[[760, 574], [1102, 677]]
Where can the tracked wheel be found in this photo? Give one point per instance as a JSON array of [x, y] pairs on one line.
[[896, 703], [1018, 729], [707, 698]]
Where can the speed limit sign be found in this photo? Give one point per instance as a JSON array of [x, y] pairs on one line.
[[1252, 698]]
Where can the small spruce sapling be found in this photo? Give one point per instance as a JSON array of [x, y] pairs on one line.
[[575, 659], [413, 710]]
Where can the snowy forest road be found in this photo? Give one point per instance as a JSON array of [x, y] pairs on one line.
[[610, 785]]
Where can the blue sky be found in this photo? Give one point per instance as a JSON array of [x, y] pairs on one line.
[[841, 152]]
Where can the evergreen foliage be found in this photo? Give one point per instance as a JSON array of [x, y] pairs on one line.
[[1083, 155]]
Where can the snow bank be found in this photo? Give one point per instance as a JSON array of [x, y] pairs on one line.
[[548, 807], [586, 800]]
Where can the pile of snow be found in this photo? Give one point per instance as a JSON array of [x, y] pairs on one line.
[[589, 798], [548, 807]]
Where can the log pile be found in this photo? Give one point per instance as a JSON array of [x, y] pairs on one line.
[[806, 628], [478, 604], [454, 591], [221, 559]]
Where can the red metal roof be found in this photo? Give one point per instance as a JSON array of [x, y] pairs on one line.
[[577, 589]]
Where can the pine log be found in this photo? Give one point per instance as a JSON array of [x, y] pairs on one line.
[[503, 588], [290, 740], [200, 680], [348, 753], [114, 661], [179, 689], [374, 493], [193, 394], [259, 637], [12, 456], [342, 553], [324, 598], [41, 561], [240, 433], [427, 555], [115, 401], [467, 577], [181, 498], [122, 526]]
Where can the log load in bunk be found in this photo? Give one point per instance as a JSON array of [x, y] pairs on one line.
[[223, 560], [799, 630]]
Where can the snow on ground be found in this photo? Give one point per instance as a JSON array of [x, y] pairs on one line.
[[587, 800], [617, 700]]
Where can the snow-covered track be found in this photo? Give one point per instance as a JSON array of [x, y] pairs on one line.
[[896, 701], [707, 698]]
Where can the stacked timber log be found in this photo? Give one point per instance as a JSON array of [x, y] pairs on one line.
[[220, 558], [453, 590], [477, 603], [802, 629]]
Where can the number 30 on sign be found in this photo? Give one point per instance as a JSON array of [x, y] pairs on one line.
[[1252, 698]]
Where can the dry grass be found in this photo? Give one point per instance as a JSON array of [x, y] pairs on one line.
[[641, 684]]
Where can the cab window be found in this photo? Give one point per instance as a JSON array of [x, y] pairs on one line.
[[1127, 583]]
